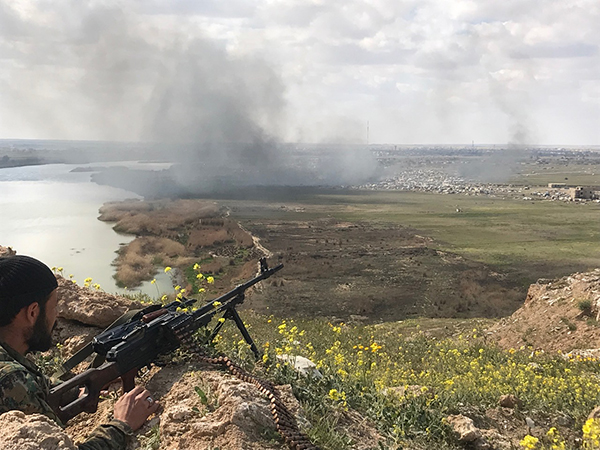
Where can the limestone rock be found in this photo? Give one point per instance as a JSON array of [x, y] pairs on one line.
[[583, 353], [7, 251], [530, 422], [241, 416], [89, 306], [302, 365], [73, 344], [178, 413], [595, 414], [248, 407], [464, 428], [208, 429], [493, 440], [509, 401], [32, 432]]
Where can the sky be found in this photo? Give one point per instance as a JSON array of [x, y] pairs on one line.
[[416, 71]]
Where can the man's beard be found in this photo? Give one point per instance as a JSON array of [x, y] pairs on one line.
[[41, 337]]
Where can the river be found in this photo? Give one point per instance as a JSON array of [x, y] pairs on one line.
[[51, 213]]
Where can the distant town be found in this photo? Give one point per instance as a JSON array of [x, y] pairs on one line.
[[520, 172]]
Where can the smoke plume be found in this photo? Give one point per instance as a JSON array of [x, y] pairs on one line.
[[106, 71]]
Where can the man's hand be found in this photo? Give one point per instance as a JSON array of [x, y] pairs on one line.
[[135, 406]]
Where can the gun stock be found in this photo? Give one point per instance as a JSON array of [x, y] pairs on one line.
[[92, 380]]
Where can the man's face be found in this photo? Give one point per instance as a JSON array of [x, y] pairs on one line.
[[41, 332]]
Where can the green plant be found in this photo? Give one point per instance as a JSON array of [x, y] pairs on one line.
[[407, 383], [570, 325], [202, 395], [49, 362], [585, 306], [151, 440]]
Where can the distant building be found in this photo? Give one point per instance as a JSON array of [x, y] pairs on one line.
[[557, 185], [585, 192]]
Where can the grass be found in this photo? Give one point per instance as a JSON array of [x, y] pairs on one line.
[[585, 306], [406, 381], [573, 174], [151, 440], [536, 239]]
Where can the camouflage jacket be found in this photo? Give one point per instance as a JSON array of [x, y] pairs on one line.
[[24, 387]]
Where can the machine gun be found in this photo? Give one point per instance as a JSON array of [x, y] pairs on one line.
[[124, 349]]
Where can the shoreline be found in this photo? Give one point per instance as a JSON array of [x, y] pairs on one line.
[[177, 234]]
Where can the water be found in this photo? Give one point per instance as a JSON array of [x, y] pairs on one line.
[[51, 213]]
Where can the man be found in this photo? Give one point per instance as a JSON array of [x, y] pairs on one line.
[[28, 301]]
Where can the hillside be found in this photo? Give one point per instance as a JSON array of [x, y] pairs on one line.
[[415, 384], [558, 315]]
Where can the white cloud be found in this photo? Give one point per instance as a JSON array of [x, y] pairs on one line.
[[453, 66]]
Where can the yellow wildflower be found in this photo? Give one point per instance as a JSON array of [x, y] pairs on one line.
[[529, 442]]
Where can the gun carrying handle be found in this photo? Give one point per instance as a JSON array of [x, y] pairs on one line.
[[147, 318]]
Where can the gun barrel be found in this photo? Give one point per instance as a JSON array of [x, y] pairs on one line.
[[235, 292]]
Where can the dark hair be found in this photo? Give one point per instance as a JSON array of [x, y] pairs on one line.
[[23, 281]]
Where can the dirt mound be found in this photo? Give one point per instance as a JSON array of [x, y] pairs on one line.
[[241, 419], [32, 432], [559, 314]]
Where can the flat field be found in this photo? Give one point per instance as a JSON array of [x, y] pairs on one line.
[[572, 174], [393, 255], [533, 239]]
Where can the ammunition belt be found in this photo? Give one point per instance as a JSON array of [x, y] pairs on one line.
[[284, 420]]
